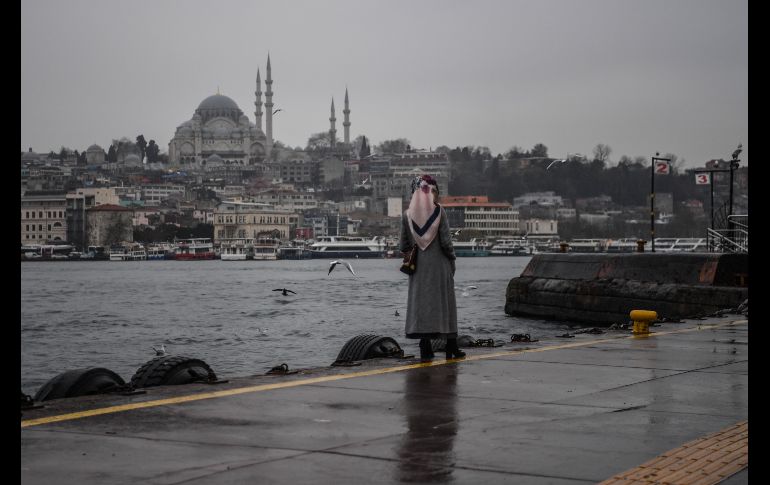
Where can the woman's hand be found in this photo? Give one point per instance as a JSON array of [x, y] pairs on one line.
[[452, 265]]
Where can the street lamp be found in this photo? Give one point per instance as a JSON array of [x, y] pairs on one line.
[[652, 196], [733, 165]]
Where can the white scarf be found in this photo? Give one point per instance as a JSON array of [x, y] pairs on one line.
[[424, 216]]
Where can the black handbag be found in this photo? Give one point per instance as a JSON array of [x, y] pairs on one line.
[[409, 265]]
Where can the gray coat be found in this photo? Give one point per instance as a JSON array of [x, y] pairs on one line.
[[431, 310]]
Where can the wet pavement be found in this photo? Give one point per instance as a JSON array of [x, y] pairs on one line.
[[558, 411]]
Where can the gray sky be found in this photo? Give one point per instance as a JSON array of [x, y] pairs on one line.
[[640, 76]]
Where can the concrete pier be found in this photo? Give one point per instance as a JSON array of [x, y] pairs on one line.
[[607, 408], [604, 288]]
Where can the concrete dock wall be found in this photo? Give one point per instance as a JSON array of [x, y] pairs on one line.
[[604, 288]]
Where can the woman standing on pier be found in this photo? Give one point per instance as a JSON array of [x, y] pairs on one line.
[[431, 310]]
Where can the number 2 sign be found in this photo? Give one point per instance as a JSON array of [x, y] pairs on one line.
[[702, 178], [662, 168]]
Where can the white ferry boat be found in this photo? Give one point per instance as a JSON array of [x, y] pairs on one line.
[[625, 245], [157, 252], [587, 245], [194, 249], [347, 247], [474, 247], [266, 248], [130, 252], [510, 247], [236, 250]]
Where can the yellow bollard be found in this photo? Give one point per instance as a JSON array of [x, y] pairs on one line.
[[642, 319]]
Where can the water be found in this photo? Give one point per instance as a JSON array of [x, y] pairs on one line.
[[111, 314]]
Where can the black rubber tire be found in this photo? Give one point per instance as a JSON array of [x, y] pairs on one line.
[[362, 347], [79, 382], [172, 370]]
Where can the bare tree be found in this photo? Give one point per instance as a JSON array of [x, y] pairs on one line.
[[602, 152]]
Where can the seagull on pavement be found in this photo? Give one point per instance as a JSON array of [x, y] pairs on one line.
[[342, 262], [284, 291]]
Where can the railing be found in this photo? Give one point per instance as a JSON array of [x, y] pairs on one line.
[[733, 240]]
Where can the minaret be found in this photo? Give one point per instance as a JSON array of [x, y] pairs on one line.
[[332, 129], [258, 103], [269, 108], [346, 123]]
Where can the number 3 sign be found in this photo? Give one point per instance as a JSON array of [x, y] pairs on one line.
[[702, 178], [662, 168]]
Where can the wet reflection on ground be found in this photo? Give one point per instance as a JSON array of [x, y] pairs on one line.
[[426, 452]]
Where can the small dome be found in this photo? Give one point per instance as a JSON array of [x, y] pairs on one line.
[[218, 101], [94, 148], [132, 159]]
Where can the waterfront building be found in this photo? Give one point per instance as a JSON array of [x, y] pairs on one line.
[[43, 217], [493, 219], [101, 195], [541, 228], [248, 220], [109, 224]]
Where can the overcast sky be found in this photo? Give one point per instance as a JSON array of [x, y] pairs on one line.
[[640, 76]]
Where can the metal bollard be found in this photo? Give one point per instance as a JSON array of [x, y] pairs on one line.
[[563, 247], [640, 245], [642, 319]]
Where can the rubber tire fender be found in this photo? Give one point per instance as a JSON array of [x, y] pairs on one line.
[[79, 382], [171, 370]]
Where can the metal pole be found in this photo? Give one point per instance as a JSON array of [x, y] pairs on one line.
[[652, 204], [729, 221], [711, 176]]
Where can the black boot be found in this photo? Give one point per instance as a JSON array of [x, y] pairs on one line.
[[452, 350], [426, 350]]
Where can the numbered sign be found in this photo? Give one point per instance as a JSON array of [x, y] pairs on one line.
[[702, 178], [662, 168]]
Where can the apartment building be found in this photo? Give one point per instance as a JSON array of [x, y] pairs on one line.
[[246, 220], [43, 217], [493, 219]]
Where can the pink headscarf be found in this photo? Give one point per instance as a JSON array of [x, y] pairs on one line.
[[424, 216]]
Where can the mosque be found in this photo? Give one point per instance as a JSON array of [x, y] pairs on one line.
[[219, 133]]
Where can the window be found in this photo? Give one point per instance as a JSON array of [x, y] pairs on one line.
[[40, 214], [33, 214]]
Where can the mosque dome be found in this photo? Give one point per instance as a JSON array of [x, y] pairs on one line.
[[132, 159], [94, 148], [218, 101]]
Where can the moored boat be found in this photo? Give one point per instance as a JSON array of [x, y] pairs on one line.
[[474, 247], [347, 247], [194, 249]]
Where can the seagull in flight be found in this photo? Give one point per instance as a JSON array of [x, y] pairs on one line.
[[555, 161], [465, 290], [284, 291], [342, 262], [159, 351], [279, 109]]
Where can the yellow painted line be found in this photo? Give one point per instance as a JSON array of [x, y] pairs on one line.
[[318, 380], [704, 461]]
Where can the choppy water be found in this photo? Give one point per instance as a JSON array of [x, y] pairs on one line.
[[111, 314]]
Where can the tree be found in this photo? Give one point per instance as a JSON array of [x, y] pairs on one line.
[[152, 152], [539, 150], [142, 144], [514, 153], [318, 142], [112, 154], [602, 152], [397, 145]]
